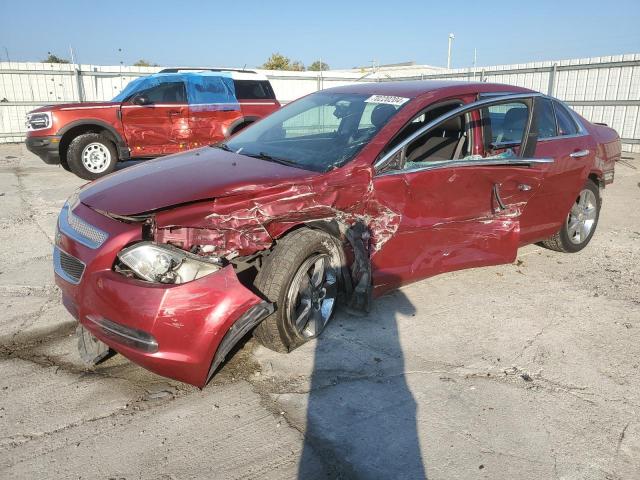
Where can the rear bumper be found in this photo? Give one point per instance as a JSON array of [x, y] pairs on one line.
[[47, 148]]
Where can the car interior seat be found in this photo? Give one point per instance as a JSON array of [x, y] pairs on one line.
[[513, 125], [439, 144]]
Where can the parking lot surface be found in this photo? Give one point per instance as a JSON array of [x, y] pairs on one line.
[[527, 370]]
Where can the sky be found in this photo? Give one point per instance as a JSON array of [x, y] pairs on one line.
[[344, 34]]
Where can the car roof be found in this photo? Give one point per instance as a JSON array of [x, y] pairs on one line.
[[417, 88], [236, 74]]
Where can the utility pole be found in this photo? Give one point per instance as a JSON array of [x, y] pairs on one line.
[[475, 61], [451, 37], [76, 74]]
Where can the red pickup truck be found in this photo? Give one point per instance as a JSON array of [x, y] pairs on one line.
[[168, 112]]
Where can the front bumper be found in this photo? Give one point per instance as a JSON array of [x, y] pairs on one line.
[[47, 148], [172, 330]]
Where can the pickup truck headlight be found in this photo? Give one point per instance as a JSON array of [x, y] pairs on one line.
[[39, 121], [167, 264]]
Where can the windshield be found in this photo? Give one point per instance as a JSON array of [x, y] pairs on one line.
[[319, 132]]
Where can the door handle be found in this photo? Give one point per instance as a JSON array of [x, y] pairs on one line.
[[174, 112], [579, 154], [523, 187], [496, 195]]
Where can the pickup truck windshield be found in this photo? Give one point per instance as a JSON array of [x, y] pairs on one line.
[[319, 132]]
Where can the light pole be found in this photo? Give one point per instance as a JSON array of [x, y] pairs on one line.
[[451, 37]]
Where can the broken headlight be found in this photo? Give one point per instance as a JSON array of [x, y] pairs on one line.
[[166, 264]]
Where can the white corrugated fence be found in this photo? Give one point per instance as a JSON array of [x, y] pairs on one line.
[[602, 89]]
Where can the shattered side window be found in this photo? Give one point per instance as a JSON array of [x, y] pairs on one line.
[[502, 127]]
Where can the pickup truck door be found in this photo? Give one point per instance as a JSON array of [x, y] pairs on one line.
[[155, 120], [459, 209]]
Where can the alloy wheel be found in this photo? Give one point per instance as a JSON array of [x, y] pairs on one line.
[[582, 217], [312, 296]]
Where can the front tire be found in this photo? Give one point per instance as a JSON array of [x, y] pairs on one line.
[[581, 222], [301, 278], [91, 156]]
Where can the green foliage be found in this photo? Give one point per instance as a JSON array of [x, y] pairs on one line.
[[145, 63], [319, 66], [278, 61], [53, 58]]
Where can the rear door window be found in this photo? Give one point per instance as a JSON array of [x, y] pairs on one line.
[[566, 125], [546, 118], [211, 90]]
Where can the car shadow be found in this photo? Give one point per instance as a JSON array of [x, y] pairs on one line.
[[361, 415]]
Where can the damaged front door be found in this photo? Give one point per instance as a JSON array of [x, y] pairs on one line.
[[459, 198], [155, 120]]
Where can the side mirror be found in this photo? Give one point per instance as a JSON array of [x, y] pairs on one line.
[[141, 100]]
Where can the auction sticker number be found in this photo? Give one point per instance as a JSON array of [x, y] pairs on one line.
[[388, 99]]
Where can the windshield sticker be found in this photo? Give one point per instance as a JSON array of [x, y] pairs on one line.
[[388, 99]]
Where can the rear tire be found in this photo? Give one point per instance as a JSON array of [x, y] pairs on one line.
[[91, 156], [580, 225], [301, 277]]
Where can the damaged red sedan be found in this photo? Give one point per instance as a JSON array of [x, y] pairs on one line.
[[337, 197]]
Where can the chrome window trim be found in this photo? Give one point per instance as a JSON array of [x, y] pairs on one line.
[[560, 137], [513, 162], [453, 113], [57, 266], [67, 229]]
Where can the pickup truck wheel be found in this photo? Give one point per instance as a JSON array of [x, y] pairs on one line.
[[65, 165], [581, 222], [91, 156], [301, 278]]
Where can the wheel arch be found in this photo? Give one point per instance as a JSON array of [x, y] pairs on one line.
[[336, 231], [245, 120], [91, 125], [597, 178]]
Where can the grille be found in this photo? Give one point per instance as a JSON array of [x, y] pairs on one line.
[[94, 235], [70, 267]]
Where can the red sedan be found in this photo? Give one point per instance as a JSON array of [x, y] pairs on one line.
[[337, 197]]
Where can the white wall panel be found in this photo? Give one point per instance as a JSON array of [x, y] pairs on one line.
[[24, 86]]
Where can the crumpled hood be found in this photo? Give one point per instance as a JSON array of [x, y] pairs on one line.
[[71, 106], [200, 174]]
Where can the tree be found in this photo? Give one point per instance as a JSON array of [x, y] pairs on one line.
[[145, 63], [278, 61], [318, 66], [53, 58]]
